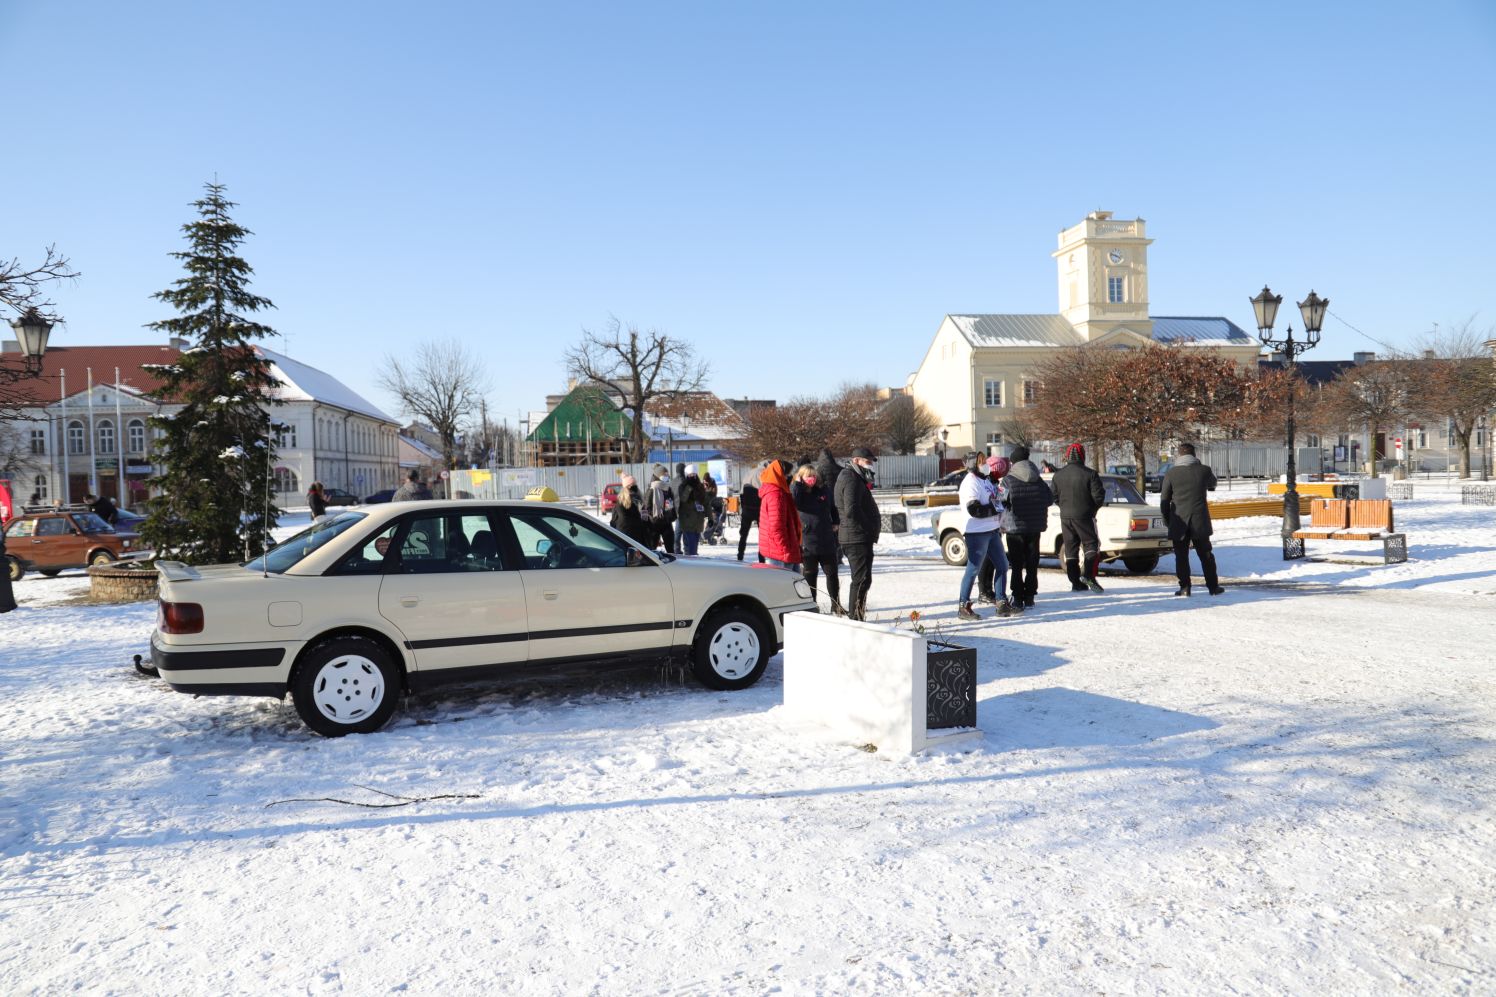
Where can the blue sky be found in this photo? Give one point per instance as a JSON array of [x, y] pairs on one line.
[[801, 190]]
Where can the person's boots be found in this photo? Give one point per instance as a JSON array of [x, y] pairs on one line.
[[1072, 571], [989, 597], [965, 612], [1184, 588], [1212, 581], [1090, 574]]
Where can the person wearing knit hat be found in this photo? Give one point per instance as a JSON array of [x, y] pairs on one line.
[[982, 533], [1026, 501], [987, 574], [628, 513], [1019, 453], [1079, 493], [660, 507]]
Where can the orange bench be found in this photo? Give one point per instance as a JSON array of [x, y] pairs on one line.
[[1350, 519]]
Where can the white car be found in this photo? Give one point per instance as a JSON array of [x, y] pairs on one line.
[[349, 612], [1130, 530]]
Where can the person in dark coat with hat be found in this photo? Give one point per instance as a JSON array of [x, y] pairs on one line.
[[1026, 501], [748, 508], [1079, 493], [818, 549], [859, 527], [1183, 501]]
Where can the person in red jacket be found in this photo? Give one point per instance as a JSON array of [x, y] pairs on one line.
[[778, 519]]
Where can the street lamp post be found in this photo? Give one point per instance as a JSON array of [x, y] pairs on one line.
[[32, 331], [1265, 305]]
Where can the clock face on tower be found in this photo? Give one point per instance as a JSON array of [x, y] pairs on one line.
[[1115, 256]]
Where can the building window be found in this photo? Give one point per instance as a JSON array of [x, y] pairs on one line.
[[285, 480], [135, 435], [1114, 290], [1030, 393], [40, 481], [994, 440], [77, 442], [106, 436], [1422, 439], [285, 437], [38, 441], [992, 393]]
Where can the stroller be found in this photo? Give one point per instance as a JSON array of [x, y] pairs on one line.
[[716, 523]]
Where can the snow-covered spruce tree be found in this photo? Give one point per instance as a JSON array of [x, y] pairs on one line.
[[218, 452]]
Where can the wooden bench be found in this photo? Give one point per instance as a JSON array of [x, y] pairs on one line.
[[1350, 519]]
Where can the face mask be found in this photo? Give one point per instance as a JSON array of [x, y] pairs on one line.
[[810, 479]]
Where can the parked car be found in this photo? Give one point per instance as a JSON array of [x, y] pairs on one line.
[[1130, 530], [336, 496], [353, 610], [1153, 480], [1129, 471], [378, 497], [73, 537], [941, 491], [609, 498]]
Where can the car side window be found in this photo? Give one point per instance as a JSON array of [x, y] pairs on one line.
[[555, 540], [22, 528], [442, 543], [54, 526], [368, 558]]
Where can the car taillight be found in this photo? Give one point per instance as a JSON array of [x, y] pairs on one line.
[[180, 618], [1138, 525]]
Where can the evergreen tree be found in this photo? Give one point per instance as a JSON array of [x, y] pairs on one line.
[[212, 504]]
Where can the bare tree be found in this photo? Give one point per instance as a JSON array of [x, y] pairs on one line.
[[635, 368], [440, 386], [802, 426], [1376, 395], [24, 286], [907, 422], [1456, 380]]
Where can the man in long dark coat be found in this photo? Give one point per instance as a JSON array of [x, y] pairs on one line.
[[1183, 502], [1079, 493]]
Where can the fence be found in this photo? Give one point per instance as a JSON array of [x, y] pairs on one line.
[[1478, 495], [589, 480]]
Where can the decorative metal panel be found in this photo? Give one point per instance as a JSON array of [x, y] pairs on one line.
[[1293, 548], [951, 686], [1395, 548], [1478, 495]]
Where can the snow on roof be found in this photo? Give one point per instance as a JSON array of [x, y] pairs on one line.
[[1212, 329], [300, 382], [1054, 330]]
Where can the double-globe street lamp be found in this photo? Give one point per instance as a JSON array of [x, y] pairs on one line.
[[1313, 309], [32, 331]]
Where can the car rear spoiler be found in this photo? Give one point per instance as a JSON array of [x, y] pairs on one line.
[[176, 571]]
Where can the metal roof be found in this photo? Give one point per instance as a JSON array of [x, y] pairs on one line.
[[1211, 329], [1055, 330]]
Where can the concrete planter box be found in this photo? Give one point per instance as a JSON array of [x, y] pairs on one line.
[[114, 583], [873, 684]]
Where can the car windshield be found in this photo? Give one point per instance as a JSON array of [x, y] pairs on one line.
[[89, 522], [290, 552], [1120, 491]]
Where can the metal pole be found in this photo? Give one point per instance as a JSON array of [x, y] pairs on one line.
[[93, 463], [67, 479], [1291, 496], [119, 441]]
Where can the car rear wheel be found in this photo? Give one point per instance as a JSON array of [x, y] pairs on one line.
[[1141, 564], [953, 548], [17, 570], [731, 650], [101, 557], [347, 685]]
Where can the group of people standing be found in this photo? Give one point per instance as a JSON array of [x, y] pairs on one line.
[[674, 514]]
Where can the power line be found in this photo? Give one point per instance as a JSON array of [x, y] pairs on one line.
[[1394, 350]]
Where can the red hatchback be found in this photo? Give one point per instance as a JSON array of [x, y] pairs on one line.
[[609, 498]]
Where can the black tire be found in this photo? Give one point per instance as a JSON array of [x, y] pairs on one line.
[[953, 548], [1141, 564], [346, 685], [49, 572], [17, 569], [100, 557], [732, 649]]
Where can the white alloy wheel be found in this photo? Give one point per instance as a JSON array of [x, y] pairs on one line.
[[348, 688], [734, 650]]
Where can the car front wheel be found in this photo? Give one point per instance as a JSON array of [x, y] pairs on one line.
[[953, 548], [347, 685], [100, 557], [731, 650]]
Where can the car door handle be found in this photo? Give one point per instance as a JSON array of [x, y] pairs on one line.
[[550, 593], [410, 600]]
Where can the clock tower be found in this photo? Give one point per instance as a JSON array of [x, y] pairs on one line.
[[1103, 271]]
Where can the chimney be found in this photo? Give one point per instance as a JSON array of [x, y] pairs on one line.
[[10, 346], [1428, 354], [1275, 357], [1360, 358], [178, 343]]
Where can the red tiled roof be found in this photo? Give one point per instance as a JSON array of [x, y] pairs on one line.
[[76, 361]]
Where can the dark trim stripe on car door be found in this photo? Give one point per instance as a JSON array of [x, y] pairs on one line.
[[621, 628]]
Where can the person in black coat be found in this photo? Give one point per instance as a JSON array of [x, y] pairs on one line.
[[316, 499], [628, 514], [1182, 500], [102, 507], [7, 594], [748, 506], [677, 486], [1079, 493], [1026, 502], [859, 525], [818, 550]]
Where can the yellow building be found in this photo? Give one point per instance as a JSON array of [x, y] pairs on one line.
[[981, 371]]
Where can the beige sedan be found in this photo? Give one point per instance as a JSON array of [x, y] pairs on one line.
[[349, 612]]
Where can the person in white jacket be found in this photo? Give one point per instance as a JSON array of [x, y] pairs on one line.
[[978, 500]]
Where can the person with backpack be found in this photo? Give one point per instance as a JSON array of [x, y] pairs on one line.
[[661, 507], [691, 504]]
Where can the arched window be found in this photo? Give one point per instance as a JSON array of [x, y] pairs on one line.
[[285, 480], [136, 435], [77, 441], [106, 436]]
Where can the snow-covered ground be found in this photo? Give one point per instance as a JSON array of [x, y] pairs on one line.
[[1285, 789]]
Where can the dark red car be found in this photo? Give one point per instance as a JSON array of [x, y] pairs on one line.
[[609, 498]]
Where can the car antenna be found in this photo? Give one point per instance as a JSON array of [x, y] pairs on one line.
[[265, 523]]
